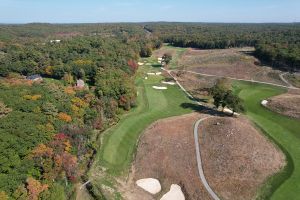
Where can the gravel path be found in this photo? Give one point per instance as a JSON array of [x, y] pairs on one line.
[[253, 81], [286, 81], [198, 155], [199, 161]]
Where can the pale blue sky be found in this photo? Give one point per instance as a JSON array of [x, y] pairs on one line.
[[72, 11]]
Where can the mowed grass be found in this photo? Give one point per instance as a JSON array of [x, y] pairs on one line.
[[119, 142], [284, 131]]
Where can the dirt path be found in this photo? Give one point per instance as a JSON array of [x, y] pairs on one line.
[[199, 160], [253, 81], [286, 81], [181, 87], [198, 155]]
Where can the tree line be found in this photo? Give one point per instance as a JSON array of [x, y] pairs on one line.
[[275, 44]]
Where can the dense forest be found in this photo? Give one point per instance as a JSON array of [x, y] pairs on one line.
[[48, 128], [276, 44]]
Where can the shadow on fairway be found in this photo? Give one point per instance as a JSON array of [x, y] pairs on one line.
[[156, 65], [202, 109]]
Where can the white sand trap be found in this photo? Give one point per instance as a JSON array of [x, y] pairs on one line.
[[264, 102], [159, 59], [140, 63], [156, 73], [159, 88], [228, 111], [169, 83], [146, 78], [150, 185], [175, 193]]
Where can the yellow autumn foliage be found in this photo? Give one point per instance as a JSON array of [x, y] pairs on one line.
[[64, 117], [32, 97]]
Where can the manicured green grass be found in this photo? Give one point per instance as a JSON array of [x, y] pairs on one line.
[[119, 142], [179, 52], [283, 130]]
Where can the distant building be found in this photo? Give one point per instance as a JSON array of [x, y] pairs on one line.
[[35, 77], [80, 83]]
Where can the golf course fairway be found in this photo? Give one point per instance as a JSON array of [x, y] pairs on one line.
[[119, 142], [284, 131]]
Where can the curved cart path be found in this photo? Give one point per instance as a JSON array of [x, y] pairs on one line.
[[199, 161], [253, 81], [286, 81]]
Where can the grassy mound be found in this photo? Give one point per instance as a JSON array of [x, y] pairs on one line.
[[283, 130]]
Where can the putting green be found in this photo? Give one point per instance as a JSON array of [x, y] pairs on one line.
[[120, 141], [283, 130]]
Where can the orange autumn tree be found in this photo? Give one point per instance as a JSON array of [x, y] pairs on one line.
[[34, 188], [55, 159], [64, 117]]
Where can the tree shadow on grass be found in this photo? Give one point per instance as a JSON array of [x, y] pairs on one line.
[[200, 99], [202, 109], [156, 65]]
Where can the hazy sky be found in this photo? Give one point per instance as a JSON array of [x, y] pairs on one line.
[[64, 11]]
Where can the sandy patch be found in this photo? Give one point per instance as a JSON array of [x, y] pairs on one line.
[[168, 83], [159, 88], [175, 193], [264, 102], [150, 185]]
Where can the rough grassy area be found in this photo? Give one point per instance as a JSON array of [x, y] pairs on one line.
[[235, 63], [283, 130], [196, 85], [294, 79], [287, 104], [166, 151], [237, 158]]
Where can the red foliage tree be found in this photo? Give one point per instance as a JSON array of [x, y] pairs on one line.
[[34, 188], [132, 65]]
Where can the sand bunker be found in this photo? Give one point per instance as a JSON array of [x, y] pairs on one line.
[[169, 83], [159, 88], [264, 102], [140, 63], [150, 185], [154, 73], [228, 111], [175, 193]]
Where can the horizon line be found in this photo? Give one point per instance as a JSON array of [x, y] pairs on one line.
[[141, 22]]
